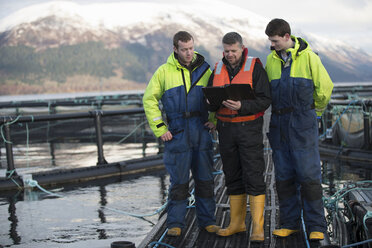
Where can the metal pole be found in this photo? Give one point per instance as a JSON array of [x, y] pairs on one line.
[[98, 126], [144, 141], [9, 152], [328, 122], [367, 141]]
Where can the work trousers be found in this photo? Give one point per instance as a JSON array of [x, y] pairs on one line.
[[297, 171], [298, 184], [241, 149], [178, 166]]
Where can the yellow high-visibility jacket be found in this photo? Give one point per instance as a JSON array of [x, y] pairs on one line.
[[180, 92], [305, 67]]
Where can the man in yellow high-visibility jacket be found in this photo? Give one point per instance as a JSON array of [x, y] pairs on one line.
[[188, 145], [300, 89]]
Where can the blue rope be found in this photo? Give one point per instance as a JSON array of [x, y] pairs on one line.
[[366, 216], [304, 227], [191, 199], [161, 238], [138, 215], [11, 178], [8, 123], [161, 243], [34, 183], [131, 132], [332, 200], [359, 243]]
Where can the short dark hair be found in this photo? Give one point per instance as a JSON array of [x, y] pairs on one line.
[[278, 27], [231, 38], [181, 36]]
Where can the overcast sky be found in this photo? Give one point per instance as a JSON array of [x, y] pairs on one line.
[[347, 20]]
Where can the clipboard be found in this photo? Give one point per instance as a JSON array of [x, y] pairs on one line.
[[236, 92]]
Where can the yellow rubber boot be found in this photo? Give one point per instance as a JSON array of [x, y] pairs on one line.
[[238, 211], [174, 232], [284, 232], [212, 228], [257, 204], [316, 236]]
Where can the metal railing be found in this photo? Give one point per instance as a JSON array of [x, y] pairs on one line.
[[96, 115]]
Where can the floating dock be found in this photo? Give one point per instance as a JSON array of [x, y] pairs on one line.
[[358, 199], [60, 177]]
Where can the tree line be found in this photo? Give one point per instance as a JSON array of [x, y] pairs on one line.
[[25, 64]]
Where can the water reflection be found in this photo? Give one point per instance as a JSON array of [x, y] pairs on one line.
[[337, 172], [37, 220], [163, 189], [48, 156], [52, 154], [101, 214], [13, 234], [33, 218]]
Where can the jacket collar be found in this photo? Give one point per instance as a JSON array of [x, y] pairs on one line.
[[300, 45], [196, 61]]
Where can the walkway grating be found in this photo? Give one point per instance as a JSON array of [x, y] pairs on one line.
[[194, 237]]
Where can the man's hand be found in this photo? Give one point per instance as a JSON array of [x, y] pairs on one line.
[[210, 126], [233, 105], [166, 137]]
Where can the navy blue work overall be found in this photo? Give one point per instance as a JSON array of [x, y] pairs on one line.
[[293, 137], [190, 149]]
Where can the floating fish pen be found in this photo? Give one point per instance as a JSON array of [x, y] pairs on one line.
[[349, 215], [358, 203], [345, 128], [79, 125], [122, 122], [345, 135]]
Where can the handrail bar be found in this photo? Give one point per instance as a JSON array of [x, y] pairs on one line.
[[79, 115]]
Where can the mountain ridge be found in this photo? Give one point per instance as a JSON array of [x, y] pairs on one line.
[[150, 27]]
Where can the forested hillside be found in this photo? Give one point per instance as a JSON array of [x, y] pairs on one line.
[[21, 65]]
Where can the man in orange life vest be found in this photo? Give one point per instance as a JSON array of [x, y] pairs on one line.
[[239, 125]]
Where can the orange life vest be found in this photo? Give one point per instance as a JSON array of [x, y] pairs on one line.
[[244, 76]]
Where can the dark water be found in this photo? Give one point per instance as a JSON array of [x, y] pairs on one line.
[[337, 173], [95, 215], [85, 216], [92, 215], [38, 157]]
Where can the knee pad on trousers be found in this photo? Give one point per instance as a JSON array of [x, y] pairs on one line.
[[179, 192], [311, 190], [204, 189], [286, 188]]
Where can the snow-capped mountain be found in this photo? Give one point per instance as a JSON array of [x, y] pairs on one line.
[[53, 24], [57, 23]]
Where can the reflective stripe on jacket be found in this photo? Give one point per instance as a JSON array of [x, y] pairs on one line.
[[244, 76]]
